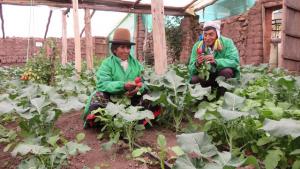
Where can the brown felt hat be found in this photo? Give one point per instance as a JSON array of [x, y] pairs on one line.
[[122, 36]]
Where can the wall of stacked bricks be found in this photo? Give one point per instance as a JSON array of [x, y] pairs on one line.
[[14, 50]]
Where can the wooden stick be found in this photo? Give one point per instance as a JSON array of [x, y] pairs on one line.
[[64, 40], [159, 39], [48, 23], [2, 22], [90, 21], [88, 39], [77, 37]]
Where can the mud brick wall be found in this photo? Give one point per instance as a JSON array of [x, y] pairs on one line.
[[246, 31], [14, 50]]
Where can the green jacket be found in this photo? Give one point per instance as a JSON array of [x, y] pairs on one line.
[[228, 57], [111, 77]]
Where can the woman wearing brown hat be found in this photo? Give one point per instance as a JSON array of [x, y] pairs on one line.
[[118, 74]]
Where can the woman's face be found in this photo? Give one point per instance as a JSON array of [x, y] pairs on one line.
[[123, 52]]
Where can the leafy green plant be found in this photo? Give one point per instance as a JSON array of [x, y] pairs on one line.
[[178, 97], [162, 146], [120, 121]]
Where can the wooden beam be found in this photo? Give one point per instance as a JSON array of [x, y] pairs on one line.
[[159, 39], [48, 23], [188, 5], [76, 37], [88, 39], [206, 5], [139, 9], [2, 22], [136, 3], [90, 20], [64, 40]]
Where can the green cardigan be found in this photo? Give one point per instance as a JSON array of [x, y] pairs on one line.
[[111, 77]]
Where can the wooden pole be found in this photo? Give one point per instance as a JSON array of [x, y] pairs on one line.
[[64, 40], [2, 22], [77, 37], [48, 23], [88, 39], [90, 20], [159, 38]]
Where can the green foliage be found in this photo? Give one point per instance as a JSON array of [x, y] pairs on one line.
[[162, 146], [174, 35], [117, 121]]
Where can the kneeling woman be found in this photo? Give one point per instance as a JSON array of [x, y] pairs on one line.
[[116, 75]]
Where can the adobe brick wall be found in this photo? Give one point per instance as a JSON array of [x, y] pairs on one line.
[[14, 50], [246, 31]]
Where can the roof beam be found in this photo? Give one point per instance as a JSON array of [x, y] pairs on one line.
[[103, 5]]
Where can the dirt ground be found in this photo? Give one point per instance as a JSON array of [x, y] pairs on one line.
[[117, 158]]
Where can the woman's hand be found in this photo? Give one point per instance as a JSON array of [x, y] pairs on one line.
[[129, 86], [210, 58]]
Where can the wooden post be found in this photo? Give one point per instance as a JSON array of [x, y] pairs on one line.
[[88, 39], [159, 39], [2, 22], [90, 20], [64, 40], [76, 37], [48, 23]]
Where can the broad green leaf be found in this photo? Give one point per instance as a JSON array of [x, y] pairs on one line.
[[174, 82], [283, 127], [265, 140], [153, 96], [140, 151], [233, 101], [177, 150], [252, 161], [200, 114], [272, 159], [198, 92], [113, 109], [134, 114], [52, 140], [6, 106], [199, 143], [286, 81], [295, 152], [231, 115], [31, 163], [24, 149], [221, 82], [80, 137], [161, 141], [107, 146], [71, 104], [51, 116], [184, 162], [39, 103], [74, 148], [31, 91], [296, 164], [226, 159]]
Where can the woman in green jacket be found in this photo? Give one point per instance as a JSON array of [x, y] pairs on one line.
[[216, 51], [119, 74]]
